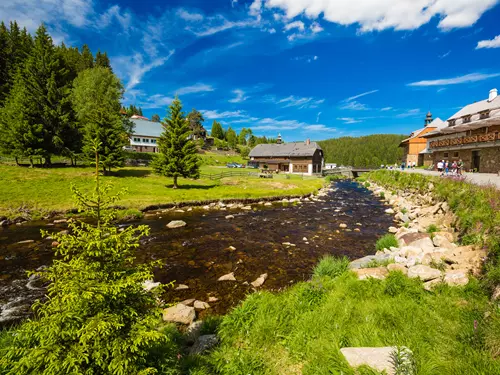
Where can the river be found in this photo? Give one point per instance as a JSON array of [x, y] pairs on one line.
[[250, 244]]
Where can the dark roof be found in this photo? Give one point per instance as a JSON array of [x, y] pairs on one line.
[[293, 149], [147, 128]]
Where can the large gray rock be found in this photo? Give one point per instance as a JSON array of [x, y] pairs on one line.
[[425, 273], [456, 277], [375, 273], [409, 237], [176, 224], [425, 244], [200, 305], [179, 314], [377, 358], [442, 241], [395, 267], [203, 344], [259, 281]]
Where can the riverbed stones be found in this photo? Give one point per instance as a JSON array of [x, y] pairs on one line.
[[227, 277], [425, 273], [203, 344], [176, 224], [212, 299], [342, 225], [389, 211], [179, 313], [60, 221], [149, 285], [377, 358], [181, 287], [231, 248], [201, 305], [442, 241], [409, 237], [228, 217], [395, 267], [25, 242], [268, 204], [456, 277], [188, 302], [393, 230], [375, 273], [259, 281]]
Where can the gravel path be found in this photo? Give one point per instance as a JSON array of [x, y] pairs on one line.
[[475, 178]]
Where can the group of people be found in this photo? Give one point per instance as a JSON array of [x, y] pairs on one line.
[[455, 167], [410, 165]]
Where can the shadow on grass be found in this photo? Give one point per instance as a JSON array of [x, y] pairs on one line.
[[191, 187], [132, 173]]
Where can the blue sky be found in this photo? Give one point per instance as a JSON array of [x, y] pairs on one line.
[[302, 68]]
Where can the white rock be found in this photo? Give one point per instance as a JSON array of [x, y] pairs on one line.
[[377, 358], [176, 224], [425, 273], [179, 314], [200, 305], [150, 284], [304, 239], [188, 302], [246, 208], [60, 221], [212, 299], [397, 267], [456, 277], [229, 217], [181, 287], [227, 277], [231, 248], [268, 204], [259, 281], [389, 211], [342, 225], [393, 230], [441, 241], [425, 244]]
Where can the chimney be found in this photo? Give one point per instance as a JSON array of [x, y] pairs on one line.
[[279, 140], [308, 141], [493, 95]]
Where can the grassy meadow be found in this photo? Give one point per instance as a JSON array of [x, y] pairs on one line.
[[41, 190]]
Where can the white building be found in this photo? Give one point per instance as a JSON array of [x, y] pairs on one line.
[[146, 134]]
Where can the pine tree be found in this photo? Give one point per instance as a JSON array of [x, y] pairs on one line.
[[98, 318], [242, 137], [252, 141], [231, 138], [4, 63], [102, 59], [155, 118], [178, 156], [195, 119], [96, 98], [86, 59], [139, 111], [217, 131]]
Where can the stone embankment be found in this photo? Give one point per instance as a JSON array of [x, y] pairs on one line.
[[427, 238]]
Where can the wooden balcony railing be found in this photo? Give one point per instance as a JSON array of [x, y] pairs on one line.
[[489, 137]]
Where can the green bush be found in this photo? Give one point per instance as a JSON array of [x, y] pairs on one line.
[[432, 229], [334, 177], [386, 242], [139, 155], [331, 266]]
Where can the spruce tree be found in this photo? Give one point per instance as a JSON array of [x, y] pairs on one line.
[[96, 98], [4, 63], [231, 138], [155, 118], [178, 156], [217, 131], [86, 59], [98, 318], [102, 60]]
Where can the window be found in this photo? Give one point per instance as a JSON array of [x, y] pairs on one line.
[[455, 154], [153, 141], [451, 122], [466, 119], [145, 140], [137, 139], [445, 155], [485, 114]]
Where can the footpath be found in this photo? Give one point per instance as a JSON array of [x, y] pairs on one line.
[[475, 178]]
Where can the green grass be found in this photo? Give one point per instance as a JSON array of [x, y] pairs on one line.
[[386, 242], [301, 330], [331, 266], [220, 158], [41, 190], [432, 229], [379, 263]]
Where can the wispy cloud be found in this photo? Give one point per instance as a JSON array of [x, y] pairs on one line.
[[319, 128], [240, 96], [349, 120], [190, 16], [133, 68], [274, 124], [473, 77], [299, 25], [444, 55], [410, 113], [386, 109], [199, 87], [156, 101], [294, 101], [493, 43], [354, 106], [360, 95], [317, 117], [115, 12], [214, 114], [306, 58]]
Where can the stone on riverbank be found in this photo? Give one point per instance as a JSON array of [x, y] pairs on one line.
[[179, 313], [397, 267], [181, 287], [342, 225], [393, 230], [230, 217], [425, 273], [259, 281], [456, 277], [25, 242], [60, 221], [227, 277], [389, 211], [375, 273], [149, 285], [200, 305], [203, 344], [377, 358], [176, 224], [188, 302]]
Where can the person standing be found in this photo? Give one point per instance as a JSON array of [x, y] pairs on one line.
[[454, 168], [413, 165], [446, 167], [440, 166], [460, 167]]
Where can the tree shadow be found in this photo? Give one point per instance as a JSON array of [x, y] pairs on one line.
[[188, 187], [132, 173]]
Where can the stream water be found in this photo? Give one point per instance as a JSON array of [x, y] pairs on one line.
[[199, 253]]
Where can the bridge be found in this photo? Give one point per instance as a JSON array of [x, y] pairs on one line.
[[347, 172]]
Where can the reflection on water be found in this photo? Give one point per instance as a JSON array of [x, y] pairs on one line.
[[209, 246]]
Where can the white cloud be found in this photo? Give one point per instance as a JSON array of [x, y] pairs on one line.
[[273, 124], [214, 25], [385, 14], [233, 3], [410, 113], [473, 77], [360, 95], [156, 101], [133, 68], [445, 55], [256, 8], [319, 128], [315, 58], [114, 12], [31, 13], [214, 114], [240, 96], [349, 120], [294, 101], [190, 16], [272, 31], [317, 117], [316, 28], [295, 25], [386, 109], [199, 87], [354, 106], [493, 43]]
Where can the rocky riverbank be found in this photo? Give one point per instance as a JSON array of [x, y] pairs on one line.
[[427, 242]]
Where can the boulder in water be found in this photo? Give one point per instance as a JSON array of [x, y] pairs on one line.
[[176, 224]]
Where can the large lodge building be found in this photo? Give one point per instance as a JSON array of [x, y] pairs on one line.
[[472, 134]]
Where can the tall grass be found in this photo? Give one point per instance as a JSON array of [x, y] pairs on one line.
[[331, 266], [386, 242]]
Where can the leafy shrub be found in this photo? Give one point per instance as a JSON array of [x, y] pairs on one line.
[[382, 195], [386, 242], [139, 155], [379, 263], [432, 229], [331, 266]]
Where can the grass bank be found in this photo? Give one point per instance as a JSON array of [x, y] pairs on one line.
[[41, 190]]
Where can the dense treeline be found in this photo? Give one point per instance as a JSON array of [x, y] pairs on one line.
[[369, 151], [55, 100]]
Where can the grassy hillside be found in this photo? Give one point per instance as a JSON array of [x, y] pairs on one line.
[[369, 151]]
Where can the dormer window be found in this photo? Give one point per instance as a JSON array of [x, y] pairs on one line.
[[484, 114], [451, 122], [466, 119]]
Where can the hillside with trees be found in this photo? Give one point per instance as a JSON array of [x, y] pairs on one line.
[[368, 151]]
